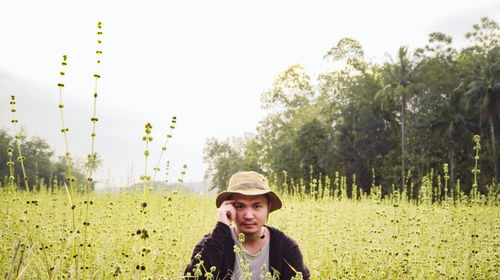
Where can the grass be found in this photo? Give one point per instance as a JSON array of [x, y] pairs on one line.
[[365, 239]]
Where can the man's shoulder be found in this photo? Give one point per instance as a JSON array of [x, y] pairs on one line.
[[221, 231], [286, 253], [280, 236], [203, 239], [275, 231], [206, 236]]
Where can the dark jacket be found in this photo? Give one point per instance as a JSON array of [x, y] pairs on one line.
[[216, 249]]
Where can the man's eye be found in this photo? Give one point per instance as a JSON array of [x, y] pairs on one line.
[[238, 206], [258, 206]]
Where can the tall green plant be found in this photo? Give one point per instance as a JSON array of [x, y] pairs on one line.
[[20, 157]]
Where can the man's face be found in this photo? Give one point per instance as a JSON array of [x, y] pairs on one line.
[[251, 212]]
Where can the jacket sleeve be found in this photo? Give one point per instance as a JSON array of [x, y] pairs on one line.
[[211, 248], [293, 257]]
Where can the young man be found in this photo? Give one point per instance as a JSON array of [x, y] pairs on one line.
[[247, 204]]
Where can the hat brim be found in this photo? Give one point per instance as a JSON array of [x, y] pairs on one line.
[[275, 201]]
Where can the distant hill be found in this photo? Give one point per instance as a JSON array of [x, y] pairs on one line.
[[198, 187]]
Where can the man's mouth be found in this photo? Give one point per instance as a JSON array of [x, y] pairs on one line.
[[249, 224]]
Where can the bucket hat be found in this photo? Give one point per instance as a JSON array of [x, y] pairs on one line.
[[249, 183]]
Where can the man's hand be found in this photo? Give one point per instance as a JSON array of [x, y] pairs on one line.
[[226, 212]]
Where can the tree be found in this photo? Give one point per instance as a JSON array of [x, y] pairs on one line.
[[60, 172], [5, 144], [38, 161], [397, 78], [484, 89], [293, 99], [224, 158], [440, 127], [37, 156], [311, 144], [404, 115], [37, 164], [291, 90], [91, 165]]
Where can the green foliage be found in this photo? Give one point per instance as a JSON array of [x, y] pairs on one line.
[[41, 170], [291, 89], [402, 118], [224, 158], [484, 86]]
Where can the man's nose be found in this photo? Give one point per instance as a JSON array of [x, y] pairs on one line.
[[248, 214]]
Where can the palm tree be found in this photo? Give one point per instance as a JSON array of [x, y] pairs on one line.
[[455, 124], [396, 78], [484, 91]]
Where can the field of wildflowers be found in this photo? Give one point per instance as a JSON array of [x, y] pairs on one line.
[[340, 238]]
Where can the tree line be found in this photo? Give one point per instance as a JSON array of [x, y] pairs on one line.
[[387, 124], [42, 170]]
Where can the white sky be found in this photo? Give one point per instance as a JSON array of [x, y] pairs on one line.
[[206, 62]]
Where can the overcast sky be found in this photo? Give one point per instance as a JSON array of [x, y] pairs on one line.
[[206, 62]]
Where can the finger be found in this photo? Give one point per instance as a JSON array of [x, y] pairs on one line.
[[226, 202], [230, 215]]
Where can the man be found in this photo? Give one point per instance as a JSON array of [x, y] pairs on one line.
[[242, 212]]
